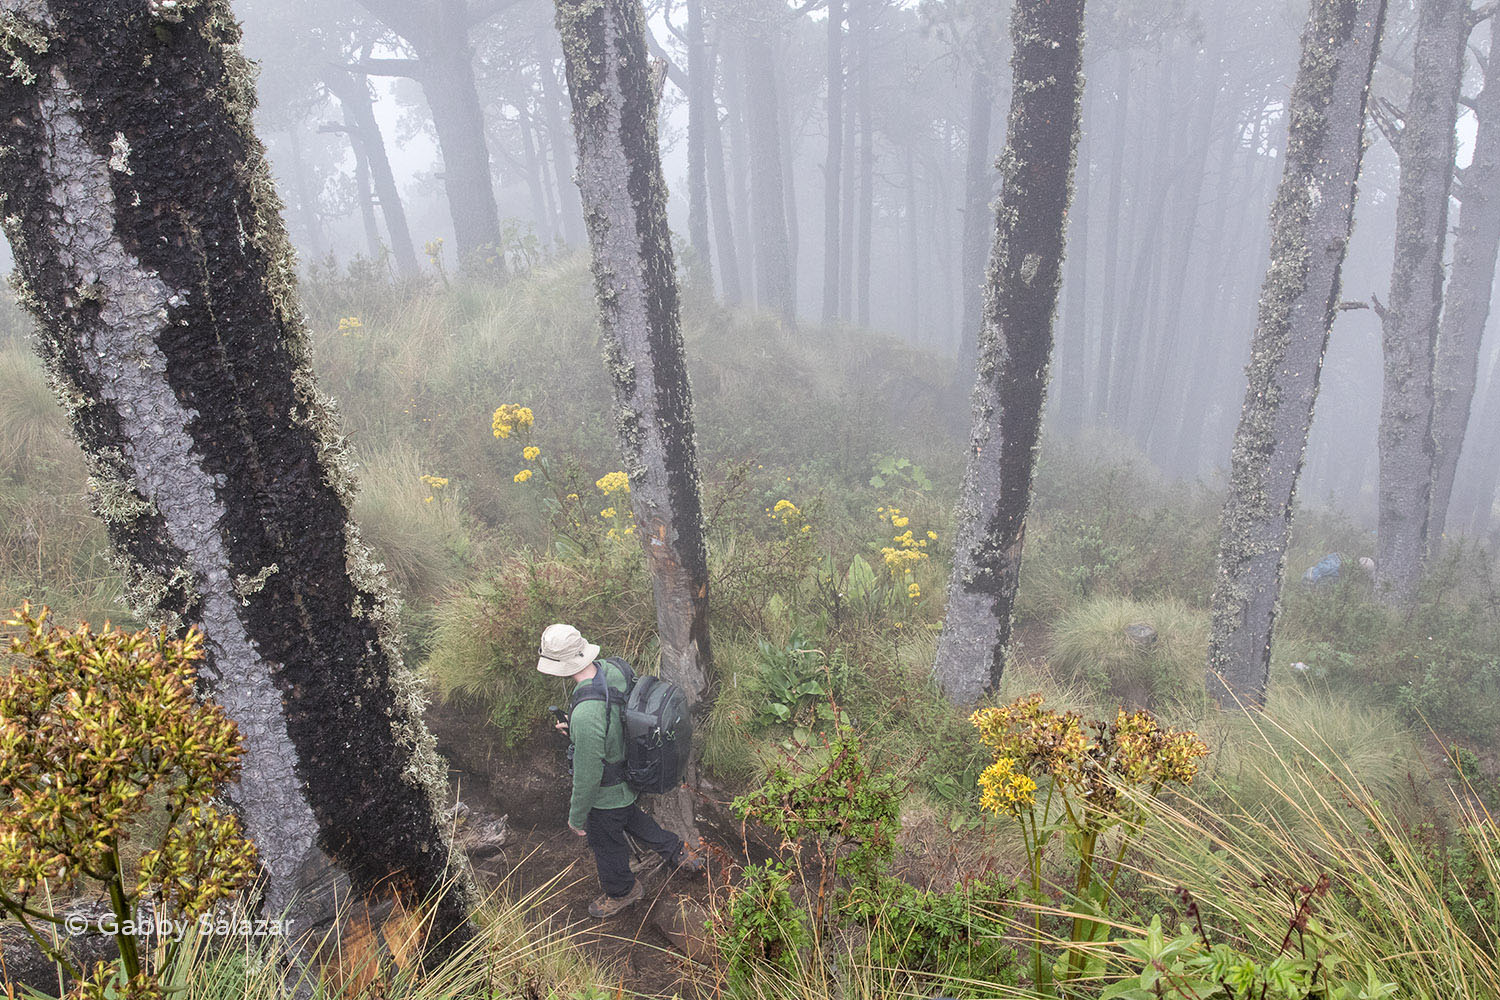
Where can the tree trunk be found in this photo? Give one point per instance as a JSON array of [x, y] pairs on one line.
[[1487, 477], [1070, 401], [700, 106], [447, 79], [354, 95], [773, 275], [536, 179], [833, 163], [1467, 308], [978, 183], [1104, 367], [1024, 274], [850, 208], [1310, 224], [562, 155], [150, 247], [366, 198], [718, 186], [1409, 322], [306, 202], [864, 250], [625, 203], [739, 163]]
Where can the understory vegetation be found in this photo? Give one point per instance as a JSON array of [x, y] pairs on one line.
[[1341, 841]]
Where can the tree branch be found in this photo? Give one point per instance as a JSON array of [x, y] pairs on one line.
[[673, 73], [1481, 13], [1380, 310], [412, 68]]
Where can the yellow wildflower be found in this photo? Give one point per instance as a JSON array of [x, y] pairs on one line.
[[900, 522], [348, 324], [932, 536], [427, 499], [509, 417], [613, 482], [913, 591], [607, 513], [523, 475], [530, 452], [435, 482]]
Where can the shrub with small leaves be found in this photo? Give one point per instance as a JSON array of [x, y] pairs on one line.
[[99, 730]]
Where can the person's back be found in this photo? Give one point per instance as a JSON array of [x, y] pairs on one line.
[[602, 807]]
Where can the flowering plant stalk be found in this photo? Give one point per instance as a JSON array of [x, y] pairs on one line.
[[97, 731], [1089, 770]]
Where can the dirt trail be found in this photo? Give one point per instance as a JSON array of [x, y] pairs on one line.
[[531, 787]]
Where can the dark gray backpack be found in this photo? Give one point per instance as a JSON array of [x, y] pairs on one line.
[[658, 729]]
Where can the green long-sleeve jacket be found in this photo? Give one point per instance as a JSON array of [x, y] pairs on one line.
[[591, 750]]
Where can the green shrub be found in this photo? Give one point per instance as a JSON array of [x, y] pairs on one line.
[[956, 935], [1091, 643]]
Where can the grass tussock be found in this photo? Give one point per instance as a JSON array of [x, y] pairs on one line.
[[1143, 655]]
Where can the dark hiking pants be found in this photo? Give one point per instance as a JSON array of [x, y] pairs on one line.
[[606, 829]]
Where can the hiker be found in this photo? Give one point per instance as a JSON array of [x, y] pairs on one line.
[[603, 806]]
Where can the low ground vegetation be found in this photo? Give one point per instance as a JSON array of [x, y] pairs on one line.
[[1311, 843]]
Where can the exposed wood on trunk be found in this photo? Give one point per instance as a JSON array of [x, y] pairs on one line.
[[1310, 224], [625, 205], [150, 247], [1409, 324], [1025, 271]]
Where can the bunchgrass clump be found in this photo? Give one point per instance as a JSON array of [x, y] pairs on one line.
[[1147, 655]]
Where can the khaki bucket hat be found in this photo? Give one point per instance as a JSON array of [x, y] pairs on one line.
[[563, 652]]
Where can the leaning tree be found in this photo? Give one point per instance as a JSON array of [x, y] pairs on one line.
[[1015, 343], [1310, 224], [149, 245], [625, 204]]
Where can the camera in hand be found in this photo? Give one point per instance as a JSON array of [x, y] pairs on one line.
[[558, 714]]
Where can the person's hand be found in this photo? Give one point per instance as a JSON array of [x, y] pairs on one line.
[[561, 727], [581, 833]]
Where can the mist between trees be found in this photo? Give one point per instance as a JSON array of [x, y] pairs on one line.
[[833, 162]]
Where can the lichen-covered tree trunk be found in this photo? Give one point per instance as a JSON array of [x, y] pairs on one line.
[[1466, 308], [1486, 478], [1025, 270], [1409, 321], [150, 247], [625, 205], [1310, 224]]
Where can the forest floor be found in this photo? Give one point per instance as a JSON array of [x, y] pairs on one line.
[[542, 860]]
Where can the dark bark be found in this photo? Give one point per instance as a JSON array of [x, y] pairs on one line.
[[1021, 300], [700, 106], [833, 162], [150, 247], [1310, 225], [364, 131], [979, 172], [1409, 322], [1467, 306], [773, 271], [625, 204]]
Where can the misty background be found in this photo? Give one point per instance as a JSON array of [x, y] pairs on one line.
[[1178, 162]]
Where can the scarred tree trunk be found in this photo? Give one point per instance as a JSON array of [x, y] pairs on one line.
[[150, 248], [1467, 306], [1036, 172], [1409, 322], [1310, 224], [625, 203], [979, 171]]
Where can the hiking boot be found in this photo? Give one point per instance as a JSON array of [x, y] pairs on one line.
[[608, 906], [687, 861]]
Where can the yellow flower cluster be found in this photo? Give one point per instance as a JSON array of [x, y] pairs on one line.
[[607, 513], [1004, 790], [435, 482], [522, 476], [350, 324], [913, 591], [1093, 759], [530, 452], [614, 482], [509, 417]]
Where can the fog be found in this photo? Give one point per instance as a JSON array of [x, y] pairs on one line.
[[1183, 127]]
